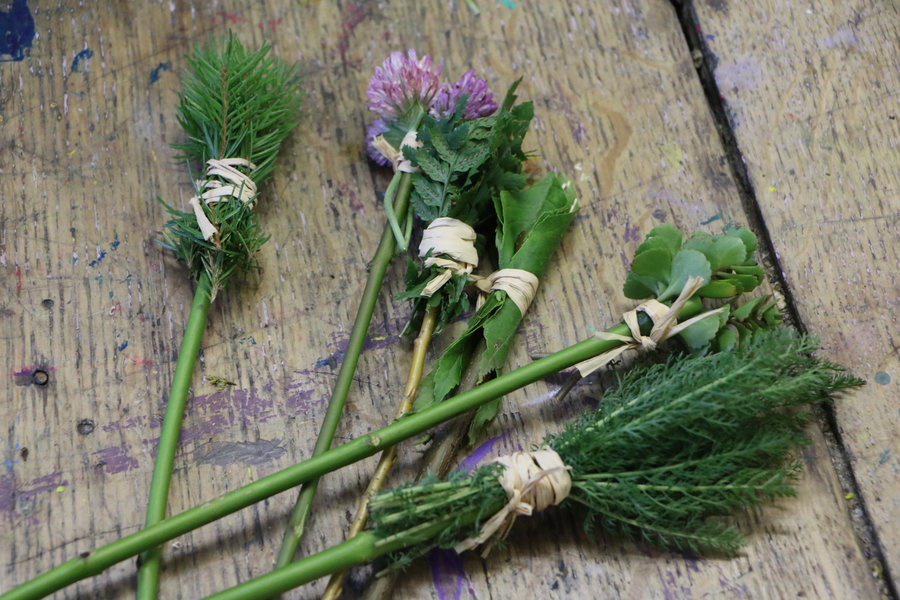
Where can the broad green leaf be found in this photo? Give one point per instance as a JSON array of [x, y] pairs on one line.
[[718, 289], [634, 289], [686, 264], [668, 236], [749, 239], [703, 331], [655, 264]]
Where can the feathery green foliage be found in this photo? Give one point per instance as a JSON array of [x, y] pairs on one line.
[[676, 447], [465, 165], [235, 103]]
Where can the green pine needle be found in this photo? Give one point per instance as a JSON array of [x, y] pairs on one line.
[[234, 104]]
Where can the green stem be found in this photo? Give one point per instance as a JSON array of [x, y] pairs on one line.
[[148, 571], [309, 470], [377, 269]]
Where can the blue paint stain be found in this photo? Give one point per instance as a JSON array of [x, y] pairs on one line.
[[114, 245], [882, 378], [885, 456], [96, 261], [83, 55], [9, 466], [154, 72], [716, 217], [123, 345], [16, 31], [710, 36], [508, 3]]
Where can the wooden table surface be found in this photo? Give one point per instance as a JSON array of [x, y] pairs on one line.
[[779, 114]]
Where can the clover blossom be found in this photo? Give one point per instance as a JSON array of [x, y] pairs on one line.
[[377, 128], [480, 101], [400, 83]]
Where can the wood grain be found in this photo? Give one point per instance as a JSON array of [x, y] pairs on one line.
[[92, 299], [817, 123]]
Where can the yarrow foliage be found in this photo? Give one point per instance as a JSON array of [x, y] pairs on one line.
[[400, 83]]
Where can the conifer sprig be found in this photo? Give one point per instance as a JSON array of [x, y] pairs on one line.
[[235, 103]]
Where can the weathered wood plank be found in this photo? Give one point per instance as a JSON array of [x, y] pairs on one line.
[[812, 94], [101, 306]]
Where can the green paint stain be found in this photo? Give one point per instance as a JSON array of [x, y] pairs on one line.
[[882, 378], [885, 456]]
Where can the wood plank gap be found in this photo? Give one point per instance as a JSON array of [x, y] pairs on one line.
[[704, 63]]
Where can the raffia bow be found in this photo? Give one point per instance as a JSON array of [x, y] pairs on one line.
[[230, 183], [665, 325], [532, 482], [396, 156]]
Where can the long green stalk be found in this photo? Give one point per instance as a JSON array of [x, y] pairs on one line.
[[411, 425], [377, 269], [148, 575]]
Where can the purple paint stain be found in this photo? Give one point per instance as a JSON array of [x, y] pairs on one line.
[[16, 31], [85, 54], [10, 492], [479, 454], [154, 72], [446, 573], [115, 460], [632, 233], [335, 358]]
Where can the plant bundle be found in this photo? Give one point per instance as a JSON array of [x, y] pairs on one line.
[[453, 150], [531, 223], [670, 453], [236, 107], [686, 307]]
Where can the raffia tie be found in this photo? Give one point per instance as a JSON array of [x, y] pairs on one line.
[[665, 325], [532, 482], [396, 156], [229, 182], [520, 286], [452, 246]]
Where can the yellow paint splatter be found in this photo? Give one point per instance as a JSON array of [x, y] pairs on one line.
[[850, 496], [378, 338], [61, 488], [73, 152], [673, 153], [772, 188]]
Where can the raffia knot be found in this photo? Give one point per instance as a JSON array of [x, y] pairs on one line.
[[665, 325], [223, 181], [396, 156], [520, 286], [449, 244], [532, 482]]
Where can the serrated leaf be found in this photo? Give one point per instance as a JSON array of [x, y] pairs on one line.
[[436, 170], [727, 339], [471, 158], [747, 308]]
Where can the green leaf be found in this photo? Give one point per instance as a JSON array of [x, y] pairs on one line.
[[635, 289], [749, 239], [703, 331], [686, 264], [718, 289]]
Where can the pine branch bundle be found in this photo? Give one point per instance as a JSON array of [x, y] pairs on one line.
[[235, 103]]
